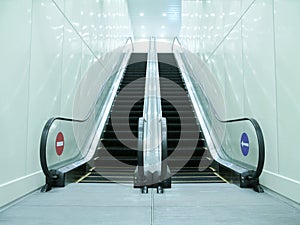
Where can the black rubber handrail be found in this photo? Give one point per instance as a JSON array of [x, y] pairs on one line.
[[255, 124], [44, 137], [260, 140], [45, 133], [43, 144]]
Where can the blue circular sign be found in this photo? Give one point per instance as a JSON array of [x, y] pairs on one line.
[[245, 144]]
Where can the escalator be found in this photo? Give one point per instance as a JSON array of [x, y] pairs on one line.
[[116, 156], [185, 141], [105, 147]]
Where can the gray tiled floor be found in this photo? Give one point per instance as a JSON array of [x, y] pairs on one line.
[[221, 204], [208, 204]]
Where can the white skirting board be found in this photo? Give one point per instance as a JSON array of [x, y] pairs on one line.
[[18, 188], [283, 185]]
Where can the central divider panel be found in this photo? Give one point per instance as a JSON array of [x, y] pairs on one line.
[[152, 170]]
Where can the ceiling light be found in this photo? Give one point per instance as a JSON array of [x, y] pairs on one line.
[[164, 14], [143, 27], [163, 27], [142, 14]]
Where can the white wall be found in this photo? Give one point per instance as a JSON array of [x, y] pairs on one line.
[[47, 47], [252, 47]]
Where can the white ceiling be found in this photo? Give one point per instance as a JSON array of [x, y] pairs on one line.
[[159, 18]]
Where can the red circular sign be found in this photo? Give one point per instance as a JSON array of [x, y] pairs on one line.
[[59, 143]]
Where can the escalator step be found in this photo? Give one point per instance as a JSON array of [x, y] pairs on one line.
[[184, 154], [118, 156]]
